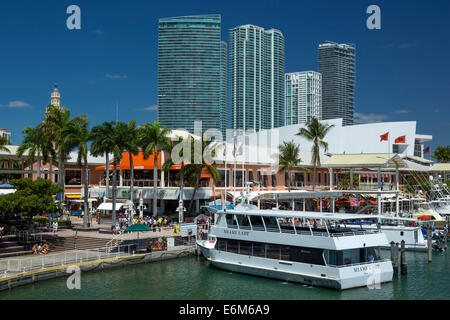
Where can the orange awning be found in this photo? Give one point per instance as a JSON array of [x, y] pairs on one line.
[[205, 174], [103, 168], [139, 163]]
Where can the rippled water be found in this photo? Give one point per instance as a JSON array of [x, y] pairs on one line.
[[193, 278]]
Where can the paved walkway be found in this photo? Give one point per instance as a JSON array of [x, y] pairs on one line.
[[78, 222]]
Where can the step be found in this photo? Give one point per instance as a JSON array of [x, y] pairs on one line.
[[15, 254], [11, 249], [6, 244]]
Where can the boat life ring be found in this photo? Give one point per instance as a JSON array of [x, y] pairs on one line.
[[158, 244]]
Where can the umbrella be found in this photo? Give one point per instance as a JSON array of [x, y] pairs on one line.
[[137, 227], [6, 186]]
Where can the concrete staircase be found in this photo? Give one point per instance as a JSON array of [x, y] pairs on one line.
[[71, 243], [10, 247]]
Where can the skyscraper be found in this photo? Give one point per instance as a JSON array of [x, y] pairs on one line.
[[191, 72], [303, 91], [256, 78], [337, 66]]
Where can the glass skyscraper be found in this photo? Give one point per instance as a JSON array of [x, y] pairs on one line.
[[337, 66], [192, 71], [303, 96], [256, 78]]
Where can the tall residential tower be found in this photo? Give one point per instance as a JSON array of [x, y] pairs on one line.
[[191, 72], [256, 78], [337, 66], [303, 92]]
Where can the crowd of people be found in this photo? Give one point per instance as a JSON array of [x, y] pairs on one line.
[[40, 248], [155, 223]]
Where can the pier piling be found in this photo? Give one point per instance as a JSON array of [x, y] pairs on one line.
[[403, 266], [394, 257], [429, 243], [445, 236]]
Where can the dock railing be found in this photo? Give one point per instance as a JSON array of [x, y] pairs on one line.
[[25, 264]]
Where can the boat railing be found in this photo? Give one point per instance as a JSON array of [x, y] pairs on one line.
[[358, 264]]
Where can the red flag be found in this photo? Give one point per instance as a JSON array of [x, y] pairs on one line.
[[384, 137], [401, 139], [426, 150]]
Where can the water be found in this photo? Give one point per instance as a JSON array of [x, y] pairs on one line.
[[193, 278]]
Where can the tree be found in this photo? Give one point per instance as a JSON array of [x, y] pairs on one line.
[[54, 123], [153, 138], [315, 132], [290, 160], [132, 148], [441, 154], [194, 170], [77, 135], [3, 143], [345, 181], [33, 143], [102, 140], [30, 199], [118, 145]]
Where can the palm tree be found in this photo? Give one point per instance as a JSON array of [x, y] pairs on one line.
[[290, 160], [33, 143], [315, 132], [118, 145], [54, 123], [3, 143], [102, 140], [77, 135], [153, 139], [441, 154], [132, 148], [194, 170]]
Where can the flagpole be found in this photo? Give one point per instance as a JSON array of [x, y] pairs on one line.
[[234, 170], [226, 174]]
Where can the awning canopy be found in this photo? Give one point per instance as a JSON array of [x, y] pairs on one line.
[[108, 206], [74, 196], [139, 163], [373, 160]]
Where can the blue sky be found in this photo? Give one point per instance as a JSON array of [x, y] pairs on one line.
[[402, 70]]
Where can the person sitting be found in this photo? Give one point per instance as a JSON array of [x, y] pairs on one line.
[[45, 248], [35, 248]]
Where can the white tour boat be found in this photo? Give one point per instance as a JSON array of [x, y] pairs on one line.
[[312, 248]]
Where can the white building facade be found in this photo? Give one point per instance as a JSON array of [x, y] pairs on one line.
[[303, 96]]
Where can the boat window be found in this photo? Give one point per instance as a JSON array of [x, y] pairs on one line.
[[273, 251], [307, 255], [232, 246], [286, 225], [259, 249], [271, 224], [243, 221], [330, 257], [221, 244], [351, 256], [285, 253], [257, 223], [231, 222], [245, 248]]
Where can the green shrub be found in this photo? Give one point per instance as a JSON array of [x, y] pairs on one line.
[[44, 220]]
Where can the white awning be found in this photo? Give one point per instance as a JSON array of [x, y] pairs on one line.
[[108, 206]]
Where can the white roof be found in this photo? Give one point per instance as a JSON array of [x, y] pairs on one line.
[[302, 214], [108, 206]]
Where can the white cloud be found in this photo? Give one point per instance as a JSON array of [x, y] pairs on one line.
[[360, 118], [152, 108], [98, 32], [115, 76], [401, 111], [16, 104]]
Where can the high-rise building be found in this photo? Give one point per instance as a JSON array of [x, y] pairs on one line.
[[191, 72], [256, 78], [303, 96], [337, 66]]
